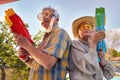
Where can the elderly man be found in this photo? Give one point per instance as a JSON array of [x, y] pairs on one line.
[[50, 60], [84, 63]]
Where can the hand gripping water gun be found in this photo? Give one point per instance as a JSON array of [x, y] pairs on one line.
[[100, 25], [16, 24]]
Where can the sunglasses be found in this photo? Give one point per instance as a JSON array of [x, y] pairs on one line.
[[85, 25]]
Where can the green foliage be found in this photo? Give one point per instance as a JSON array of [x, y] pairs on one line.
[[115, 53], [8, 52], [38, 37]]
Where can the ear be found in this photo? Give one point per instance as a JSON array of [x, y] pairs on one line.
[[57, 19]]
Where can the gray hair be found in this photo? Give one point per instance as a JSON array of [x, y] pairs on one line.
[[55, 13]]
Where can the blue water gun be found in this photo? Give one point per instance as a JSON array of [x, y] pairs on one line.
[[100, 19]]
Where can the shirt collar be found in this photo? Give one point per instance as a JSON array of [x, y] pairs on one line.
[[84, 42]]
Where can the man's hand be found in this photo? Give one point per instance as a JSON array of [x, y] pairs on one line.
[[101, 55], [21, 40], [23, 54], [96, 37]]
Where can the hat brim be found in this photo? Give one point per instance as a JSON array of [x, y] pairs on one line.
[[80, 20]]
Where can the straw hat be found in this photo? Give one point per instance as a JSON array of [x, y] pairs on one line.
[[80, 20]]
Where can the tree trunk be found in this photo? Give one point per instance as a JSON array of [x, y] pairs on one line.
[[3, 74]]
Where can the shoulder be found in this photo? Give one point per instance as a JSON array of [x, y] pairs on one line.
[[61, 32], [76, 43]]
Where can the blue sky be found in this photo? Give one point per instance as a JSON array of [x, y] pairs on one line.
[[68, 10]]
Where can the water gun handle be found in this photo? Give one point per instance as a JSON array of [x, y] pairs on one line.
[[100, 25]]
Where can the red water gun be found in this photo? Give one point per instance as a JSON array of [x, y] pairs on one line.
[[16, 24]]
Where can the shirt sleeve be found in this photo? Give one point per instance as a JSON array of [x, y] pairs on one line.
[[57, 44], [85, 62], [108, 71]]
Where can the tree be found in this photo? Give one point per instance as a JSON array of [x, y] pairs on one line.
[[115, 53], [38, 37], [8, 51]]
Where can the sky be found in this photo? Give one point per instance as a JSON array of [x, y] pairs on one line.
[[69, 10]]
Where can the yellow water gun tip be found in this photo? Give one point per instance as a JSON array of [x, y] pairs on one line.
[[9, 12], [8, 21]]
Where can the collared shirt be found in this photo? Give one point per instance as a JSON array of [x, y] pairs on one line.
[[55, 43], [84, 63]]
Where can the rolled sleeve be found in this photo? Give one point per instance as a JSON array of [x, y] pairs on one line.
[[108, 71], [85, 62]]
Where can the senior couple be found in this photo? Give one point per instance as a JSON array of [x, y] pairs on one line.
[[57, 54]]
